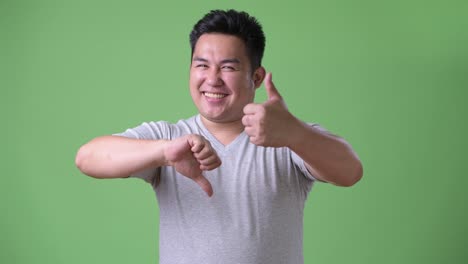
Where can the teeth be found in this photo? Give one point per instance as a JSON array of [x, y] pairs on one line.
[[214, 95]]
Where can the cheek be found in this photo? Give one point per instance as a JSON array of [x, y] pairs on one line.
[[239, 81], [194, 80]]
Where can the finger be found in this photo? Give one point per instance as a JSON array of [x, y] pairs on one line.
[[254, 140], [272, 92], [252, 108], [213, 159], [246, 120], [211, 166], [205, 153], [204, 184], [250, 131], [197, 144]]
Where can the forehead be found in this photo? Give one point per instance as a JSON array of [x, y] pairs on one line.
[[220, 46]]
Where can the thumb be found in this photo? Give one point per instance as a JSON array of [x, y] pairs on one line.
[[271, 90], [204, 184]]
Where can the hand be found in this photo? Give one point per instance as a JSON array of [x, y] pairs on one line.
[[269, 124], [190, 155]]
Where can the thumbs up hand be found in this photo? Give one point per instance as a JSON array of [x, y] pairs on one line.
[[269, 124]]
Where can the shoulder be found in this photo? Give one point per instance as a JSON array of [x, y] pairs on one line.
[[160, 129], [171, 130]]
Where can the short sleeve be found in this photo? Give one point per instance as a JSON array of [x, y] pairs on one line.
[[149, 131], [300, 163]]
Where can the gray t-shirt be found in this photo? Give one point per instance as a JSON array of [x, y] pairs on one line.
[[255, 214]]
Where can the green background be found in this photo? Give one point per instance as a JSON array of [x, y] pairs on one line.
[[390, 77]]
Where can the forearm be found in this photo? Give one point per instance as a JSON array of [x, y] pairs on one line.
[[116, 157], [328, 157]]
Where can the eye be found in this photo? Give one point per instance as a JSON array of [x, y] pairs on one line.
[[228, 68], [203, 66]]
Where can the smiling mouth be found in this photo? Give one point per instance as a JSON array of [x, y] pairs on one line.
[[214, 95]]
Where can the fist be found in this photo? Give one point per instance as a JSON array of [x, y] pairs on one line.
[[190, 155]]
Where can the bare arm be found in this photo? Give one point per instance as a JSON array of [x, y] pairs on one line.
[[328, 157], [118, 157]]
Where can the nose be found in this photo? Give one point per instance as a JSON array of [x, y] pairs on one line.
[[214, 77]]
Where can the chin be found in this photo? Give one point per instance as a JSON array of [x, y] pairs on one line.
[[218, 118]]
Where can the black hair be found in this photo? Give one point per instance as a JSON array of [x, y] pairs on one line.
[[236, 23]]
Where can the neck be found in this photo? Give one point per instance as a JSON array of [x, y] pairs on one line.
[[224, 132]]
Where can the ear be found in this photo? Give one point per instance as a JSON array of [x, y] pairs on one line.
[[258, 76]]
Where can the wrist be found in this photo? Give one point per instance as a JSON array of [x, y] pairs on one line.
[[161, 146], [297, 134]]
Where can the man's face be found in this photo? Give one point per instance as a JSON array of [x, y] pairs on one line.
[[221, 80]]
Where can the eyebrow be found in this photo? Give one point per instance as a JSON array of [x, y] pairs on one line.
[[222, 62]]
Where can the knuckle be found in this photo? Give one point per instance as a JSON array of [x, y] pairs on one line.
[[253, 140], [244, 120], [262, 110]]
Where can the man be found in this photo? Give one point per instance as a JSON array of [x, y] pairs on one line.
[[255, 162]]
